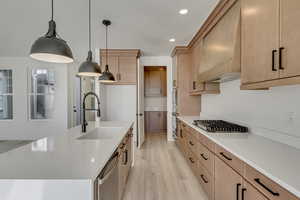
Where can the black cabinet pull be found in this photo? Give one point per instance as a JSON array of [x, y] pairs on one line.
[[203, 156], [191, 159], [194, 85], [191, 143], [126, 157], [280, 58], [203, 178], [226, 157], [243, 193], [273, 61], [238, 191], [257, 180]]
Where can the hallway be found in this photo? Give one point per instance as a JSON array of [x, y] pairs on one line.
[[161, 173]]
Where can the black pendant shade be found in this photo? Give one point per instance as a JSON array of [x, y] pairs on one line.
[[50, 48], [107, 76], [88, 67]]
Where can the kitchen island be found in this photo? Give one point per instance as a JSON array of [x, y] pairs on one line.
[[63, 167]]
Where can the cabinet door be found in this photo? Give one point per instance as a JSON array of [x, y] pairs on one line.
[[195, 85], [163, 78], [290, 40], [112, 63], [250, 193], [227, 182], [153, 121], [127, 70], [260, 36], [153, 83]]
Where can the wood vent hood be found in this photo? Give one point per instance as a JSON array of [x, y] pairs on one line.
[[221, 48]]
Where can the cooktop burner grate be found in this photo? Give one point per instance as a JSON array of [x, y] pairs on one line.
[[214, 126]]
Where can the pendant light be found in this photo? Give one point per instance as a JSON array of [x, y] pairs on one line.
[[88, 67], [50, 48], [107, 76]]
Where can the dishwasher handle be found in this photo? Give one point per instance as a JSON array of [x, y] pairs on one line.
[[108, 169]]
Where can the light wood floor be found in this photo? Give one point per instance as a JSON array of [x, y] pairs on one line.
[[161, 173]]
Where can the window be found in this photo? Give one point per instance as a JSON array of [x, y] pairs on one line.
[[42, 94], [6, 95]]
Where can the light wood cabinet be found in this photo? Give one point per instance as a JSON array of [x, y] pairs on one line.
[[260, 38], [270, 43], [156, 121], [125, 161], [228, 177], [186, 104], [228, 183], [289, 37], [197, 87], [127, 70], [123, 65], [155, 82], [251, 193]]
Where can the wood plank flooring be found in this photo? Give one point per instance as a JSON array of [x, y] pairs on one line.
[[161, 173]]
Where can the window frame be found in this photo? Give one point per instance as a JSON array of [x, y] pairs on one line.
[[30, 93], [9, 94]]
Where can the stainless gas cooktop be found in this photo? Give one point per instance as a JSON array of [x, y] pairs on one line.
[[214, 126]]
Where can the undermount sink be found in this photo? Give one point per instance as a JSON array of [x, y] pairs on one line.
[[102, 133]]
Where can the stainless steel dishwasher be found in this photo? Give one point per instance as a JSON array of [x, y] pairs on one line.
[[107, 183]]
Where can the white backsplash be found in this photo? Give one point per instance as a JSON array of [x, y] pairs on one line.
[[273, 113]]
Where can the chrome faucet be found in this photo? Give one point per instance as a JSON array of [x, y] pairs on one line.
[[84, 122]]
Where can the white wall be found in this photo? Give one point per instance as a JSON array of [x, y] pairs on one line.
[[20, 127], [273, 113], [163, 61], [118, 103]]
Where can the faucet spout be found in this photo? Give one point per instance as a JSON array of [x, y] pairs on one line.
[[84, 122]]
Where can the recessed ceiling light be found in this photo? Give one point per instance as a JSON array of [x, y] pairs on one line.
[[172, 40], [183, 11]]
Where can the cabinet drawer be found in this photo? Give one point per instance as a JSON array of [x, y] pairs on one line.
[[206, 142], [206, 180], [266, 186], [185, 127], [206, 158], [192, 143], [192, 161], [230, 159]]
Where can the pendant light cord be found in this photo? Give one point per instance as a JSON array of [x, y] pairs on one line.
[[106, 46], [90, 25], [52, 7]]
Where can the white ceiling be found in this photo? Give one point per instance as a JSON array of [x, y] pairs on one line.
[[144, 24]]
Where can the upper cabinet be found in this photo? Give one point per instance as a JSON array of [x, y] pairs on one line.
[[186, 104], [220, 52], [270, 43], [198, 87], [155, 82], [123, 65]]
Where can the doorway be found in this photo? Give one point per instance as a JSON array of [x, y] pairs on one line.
[[155, 100]]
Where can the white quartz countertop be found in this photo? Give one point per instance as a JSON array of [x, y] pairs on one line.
[[64, 157], [277, 161]]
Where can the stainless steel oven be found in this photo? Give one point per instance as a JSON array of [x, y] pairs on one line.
[[107, 183]]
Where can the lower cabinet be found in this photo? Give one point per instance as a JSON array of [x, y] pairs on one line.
[[228, 183], [250, 193], [221, 174], [125, 161]]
